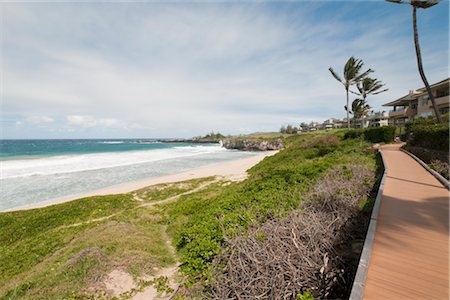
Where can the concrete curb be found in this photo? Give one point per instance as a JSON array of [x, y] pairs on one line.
[[357, 292], [433, 172]]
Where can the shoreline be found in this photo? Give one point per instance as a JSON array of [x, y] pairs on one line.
[[235, 170]]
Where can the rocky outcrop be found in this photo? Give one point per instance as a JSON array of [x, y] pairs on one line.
[[253, 144]]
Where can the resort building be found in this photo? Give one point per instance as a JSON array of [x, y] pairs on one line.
[[417, 104], [332, 123], [378, 119]]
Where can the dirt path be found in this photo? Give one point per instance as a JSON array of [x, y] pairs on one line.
[[410, 254], [119, 281], [170, 272], [176, 197], [137, 198]]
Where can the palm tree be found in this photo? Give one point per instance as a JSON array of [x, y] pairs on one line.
[[360, 108], [421, 4], [369, 86], [351, 76]]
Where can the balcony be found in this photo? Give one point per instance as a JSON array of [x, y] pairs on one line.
[[403, 113], [442, 102]]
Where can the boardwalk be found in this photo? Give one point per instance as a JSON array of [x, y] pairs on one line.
[[410, 258]]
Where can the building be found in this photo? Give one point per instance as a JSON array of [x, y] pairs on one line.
[[378, 119], [313, 126], [417, 103], [331, 123]]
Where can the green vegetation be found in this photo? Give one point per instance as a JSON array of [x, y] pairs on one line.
[[210, 137], [305, 296], [288, 129], [431, 136], [351, 76], [424, 132], [360, 109], [167, 190], [383, 134], [200, 222], [264, 135], [65, 250], [60, 251], [430, 142], [366, 86]]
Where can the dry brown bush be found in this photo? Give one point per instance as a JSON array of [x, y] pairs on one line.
[[305, 251]]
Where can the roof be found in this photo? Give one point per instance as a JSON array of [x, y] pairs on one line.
[[415, 94], [442, 82], [402, 101]]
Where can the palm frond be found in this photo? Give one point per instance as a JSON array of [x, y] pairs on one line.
[[336, 76], [376, 93], [363, 75], [424, 3]]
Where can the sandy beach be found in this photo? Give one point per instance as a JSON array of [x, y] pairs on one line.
[[232, 170]]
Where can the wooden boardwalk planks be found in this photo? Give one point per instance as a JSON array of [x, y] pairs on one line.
[[410, 256]]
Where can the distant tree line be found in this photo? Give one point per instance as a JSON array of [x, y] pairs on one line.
[[289, 129], [210, 136]]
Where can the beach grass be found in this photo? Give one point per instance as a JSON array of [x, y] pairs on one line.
[[66, 250], [56, 251]]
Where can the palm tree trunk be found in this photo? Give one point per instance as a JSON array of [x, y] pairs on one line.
[[346, 108], [419, 64]]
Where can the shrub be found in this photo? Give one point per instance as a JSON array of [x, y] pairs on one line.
[[305, 250], [353, 134], [426, 154], [324, 143], [384, 134], [432, 136], [440, 167]]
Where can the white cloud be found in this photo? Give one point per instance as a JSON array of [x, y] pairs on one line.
[[184, 69], [91, 121], [39, 120]]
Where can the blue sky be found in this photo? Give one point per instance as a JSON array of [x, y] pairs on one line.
[[92, 70]]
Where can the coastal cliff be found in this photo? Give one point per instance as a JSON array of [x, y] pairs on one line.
[[253, 144]]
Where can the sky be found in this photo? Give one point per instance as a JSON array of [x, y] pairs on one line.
[[182, 69]]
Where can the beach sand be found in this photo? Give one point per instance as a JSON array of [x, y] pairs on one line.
[[235, 170]]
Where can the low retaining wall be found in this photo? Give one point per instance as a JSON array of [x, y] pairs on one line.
[[357, 292], [433, 172]]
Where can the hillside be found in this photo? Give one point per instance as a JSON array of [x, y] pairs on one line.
[[70, 250]]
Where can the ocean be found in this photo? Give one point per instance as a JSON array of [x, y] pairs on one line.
[[32, 171]]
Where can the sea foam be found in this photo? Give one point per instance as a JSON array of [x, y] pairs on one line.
[[83, 162]]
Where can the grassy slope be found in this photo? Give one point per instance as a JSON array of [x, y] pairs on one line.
[[50, 252], [199, 223], [43, 251]]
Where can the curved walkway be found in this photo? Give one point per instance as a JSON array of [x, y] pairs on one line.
[[410, 254]]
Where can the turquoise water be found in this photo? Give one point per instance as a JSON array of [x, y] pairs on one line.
[[12, 148], [37, 170]]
